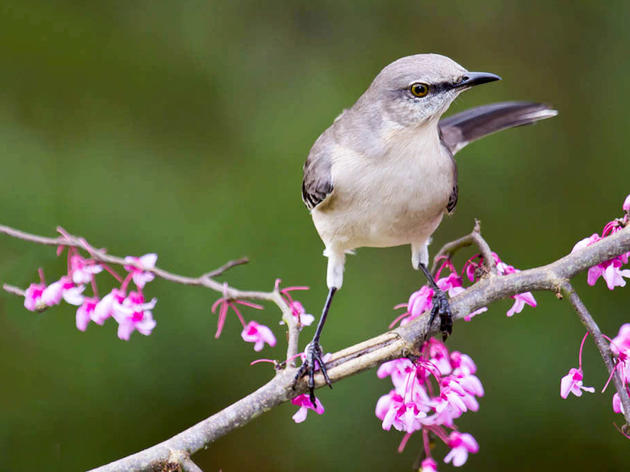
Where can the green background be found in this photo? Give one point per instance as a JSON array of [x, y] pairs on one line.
[[181, 128]]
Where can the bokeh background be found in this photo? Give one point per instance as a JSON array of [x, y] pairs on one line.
[[181, 128]]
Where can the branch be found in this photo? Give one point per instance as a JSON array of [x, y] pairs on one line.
[[449, 249], [600, 342], [400, 342], [205, 280]]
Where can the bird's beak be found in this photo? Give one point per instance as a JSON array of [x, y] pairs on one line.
[[470, 79]]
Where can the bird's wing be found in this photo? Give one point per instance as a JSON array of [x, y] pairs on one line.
[[317, 183], [463, 128]]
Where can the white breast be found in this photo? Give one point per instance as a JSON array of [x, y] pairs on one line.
[[396, 198]]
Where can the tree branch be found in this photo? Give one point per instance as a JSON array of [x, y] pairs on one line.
[[393, 344], [205, 280], [601, 343]]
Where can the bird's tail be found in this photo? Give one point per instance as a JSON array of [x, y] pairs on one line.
[[463, 128]]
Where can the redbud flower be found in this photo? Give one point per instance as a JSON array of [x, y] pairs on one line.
[[572, 383], [105, 308], [141, 276], [63, 288], [304, 402], [626, 204], [428, 465], [134, 315], [82, 270], [461, 445], [609, 270], [616, 403], [85, 312], [258, 334], [33, 297], [621, 342], [297, 309]]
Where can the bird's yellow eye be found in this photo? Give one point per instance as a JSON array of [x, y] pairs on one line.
[[419, 89]]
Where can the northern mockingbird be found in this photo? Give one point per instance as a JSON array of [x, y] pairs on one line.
[[383, 173]]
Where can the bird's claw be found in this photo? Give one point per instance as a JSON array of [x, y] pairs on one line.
[[442, 308], [313, 353]]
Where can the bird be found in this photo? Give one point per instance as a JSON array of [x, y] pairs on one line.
[[383, 173]]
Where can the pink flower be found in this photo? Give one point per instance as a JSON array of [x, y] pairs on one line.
[[419, 302], [626, 204], [82, 270], [621, 342], [304, 402], [404, 417], [616, 403], [63, 288], [105, 308], [85, 312], [299, 312], [461, 445], [572, 383], [398, 369], [387, 402], [258, 334], [134, 315], [428, 465], [609, 270], [141, 275], [33, 297], [520, 300], [451, 284]]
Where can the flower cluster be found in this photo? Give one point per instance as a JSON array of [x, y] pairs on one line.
[[611, 270], [453, 284], [620, 349], [474, 266], [429, 394], [127, 307]]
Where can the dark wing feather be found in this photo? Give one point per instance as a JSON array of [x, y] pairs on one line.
[[317, 182], [463, 128]]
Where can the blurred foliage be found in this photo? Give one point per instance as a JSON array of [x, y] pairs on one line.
[[181, 128]]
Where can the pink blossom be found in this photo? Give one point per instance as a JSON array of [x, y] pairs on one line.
[[626, 204], [428, 465], [404, 417], [387, 402], [85, 312], [139, 267], [572, 383], [621, 342], [398, 369], [520, 299], [609, 270], [106, 306], [461, 444], [299, 312], [616, 403], [33, 297], [258, 334], [451, 284], [134, 314], [304, 402], [63, 288], [82, 270]]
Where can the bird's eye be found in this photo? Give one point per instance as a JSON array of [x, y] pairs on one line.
[[419, 89]]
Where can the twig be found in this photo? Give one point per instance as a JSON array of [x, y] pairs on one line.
[[601, 343], [205, 280], [393, 344], [450, 248]]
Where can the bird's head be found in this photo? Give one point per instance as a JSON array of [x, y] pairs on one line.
[[420, 88]]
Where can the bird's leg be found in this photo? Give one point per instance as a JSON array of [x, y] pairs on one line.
[[441, 306], [313, 353]]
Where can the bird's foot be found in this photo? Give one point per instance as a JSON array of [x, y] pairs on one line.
[[442, 308], [313, 353]]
